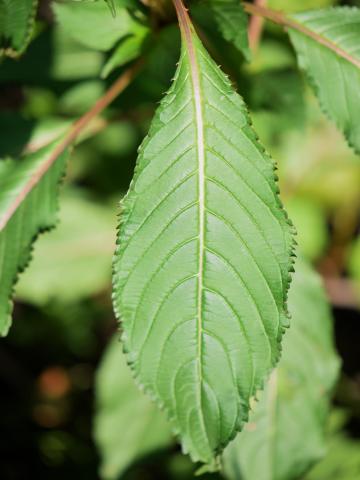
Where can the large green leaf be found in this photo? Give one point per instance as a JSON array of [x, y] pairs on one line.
[[28, 205], [16, 25], [285, 434], [127, 425], [331, 59], [202, 265], [93, 25]]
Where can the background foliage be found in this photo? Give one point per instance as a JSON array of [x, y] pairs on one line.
[[63, 319]]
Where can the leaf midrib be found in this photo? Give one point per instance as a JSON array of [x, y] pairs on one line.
[[185, 26]]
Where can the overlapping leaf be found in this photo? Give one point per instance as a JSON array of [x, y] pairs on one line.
[[22, 184], [202, 266], [127, 424], [334, 67], [16, 25], [93, 25], [285, 434], [232, 21]]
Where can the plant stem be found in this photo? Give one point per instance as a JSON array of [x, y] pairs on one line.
[[74, 131], [288, 22], [255, 27]]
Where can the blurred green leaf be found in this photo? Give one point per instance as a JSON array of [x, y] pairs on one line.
[[279, 91], [291, 6], [80, 97], [53, 56], [24, 182], [285, 433], [17, 19], [128, 49], [342, 461], [92, 25], [73, 262], [310, 222], [334, 78], [127, 425], [232, 22]]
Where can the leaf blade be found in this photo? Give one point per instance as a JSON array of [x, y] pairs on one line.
[[179, 162], [17, 18], [331, 60], [28, 206]]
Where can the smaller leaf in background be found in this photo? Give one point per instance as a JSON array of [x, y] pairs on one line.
[[129, 48], [295, 402], [342, 460], [279, 91], [159, 68], [52, 56], [17, 18], [79, 250], [310, 221], [334, 73], [79, 98], [291, 6], [127, 424], [92, 25], [34, 195], [232, 22], [111, 5]]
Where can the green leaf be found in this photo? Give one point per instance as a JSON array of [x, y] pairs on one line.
[[17, 19], [202, 266], [28, 205], [331, 59], [291, 6], [285, 434], [78, 250], [128, 49], [311, 226], [342, 461], [127, 425], [232, 22], [81, 19]]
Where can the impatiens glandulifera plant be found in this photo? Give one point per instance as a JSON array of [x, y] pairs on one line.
[[205, 249], [201, 271]]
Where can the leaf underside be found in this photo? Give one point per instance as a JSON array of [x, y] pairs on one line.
[[36, 213], [17, 19], [295, 402], [335, 79], [202, 265]]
